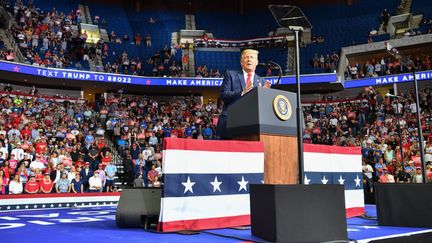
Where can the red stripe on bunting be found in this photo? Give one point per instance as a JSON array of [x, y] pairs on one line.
[[51, 195], [353, 212], [316, 148], [201, 224], [213, 145]]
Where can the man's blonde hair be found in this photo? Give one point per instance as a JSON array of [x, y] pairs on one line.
[[250, 50]]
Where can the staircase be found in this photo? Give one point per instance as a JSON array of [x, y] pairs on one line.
[[10, 44], [190, 66], [190, 22], [118, 162], [92, 64], [104, 35], [404, 7], [85, 14]]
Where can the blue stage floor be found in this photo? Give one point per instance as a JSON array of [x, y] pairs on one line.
[[97, 224]]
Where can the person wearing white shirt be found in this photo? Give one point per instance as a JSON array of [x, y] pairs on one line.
[[95, 183], [36, 164], [18, 152], [4, 151], [15, 186], [413, 107], [334, 121]]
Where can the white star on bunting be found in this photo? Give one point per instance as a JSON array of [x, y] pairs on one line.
[[357, 181], [242, 184], [341, 180], [306, 180], [188, 185], [216, 185], [324, 180]]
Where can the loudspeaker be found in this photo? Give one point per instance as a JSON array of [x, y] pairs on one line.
[[298, 213], [406, 205], [138, 207]]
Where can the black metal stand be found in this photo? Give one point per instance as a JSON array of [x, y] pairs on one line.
[[299, 109], [420, 133], [398, 115]]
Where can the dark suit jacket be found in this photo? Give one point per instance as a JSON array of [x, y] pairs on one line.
[[85, 177], [232, 86]]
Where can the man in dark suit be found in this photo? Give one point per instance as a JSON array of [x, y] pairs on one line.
[[236, 84], [86, 173]]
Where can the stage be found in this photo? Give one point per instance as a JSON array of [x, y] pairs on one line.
[[97, 224]]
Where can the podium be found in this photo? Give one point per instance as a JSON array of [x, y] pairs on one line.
[[269, 115]]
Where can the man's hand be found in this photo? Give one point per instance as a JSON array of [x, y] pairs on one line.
[[246, 89], [267, 84]]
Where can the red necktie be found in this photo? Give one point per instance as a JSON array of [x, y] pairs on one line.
[[249, 80]]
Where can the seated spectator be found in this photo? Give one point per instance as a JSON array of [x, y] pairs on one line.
[[77, 185], [138, 181], [156, 182], [63, 184], [46, 184], [32, 186], [386, 177], [72, 173], [95, 183], [102, 175], [15, 186], [4, 182], [152, 174], [418, 177]]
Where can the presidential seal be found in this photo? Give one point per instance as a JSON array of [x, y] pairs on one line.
[[282, 107]]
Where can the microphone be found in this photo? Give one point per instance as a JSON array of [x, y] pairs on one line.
[[270, 64], [264, 64], [275, 64]]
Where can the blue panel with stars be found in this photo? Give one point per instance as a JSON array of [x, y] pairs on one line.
[[351, 180], [182, 185]]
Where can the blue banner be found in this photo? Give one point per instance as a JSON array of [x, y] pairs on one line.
[[400, 78], [139, 80]]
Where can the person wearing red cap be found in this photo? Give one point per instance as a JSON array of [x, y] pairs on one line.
[[95, 183], [386, 177], [86, 173]]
